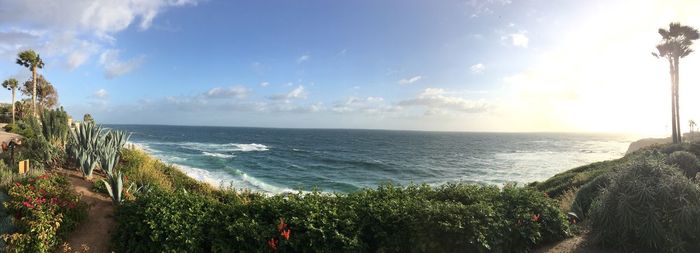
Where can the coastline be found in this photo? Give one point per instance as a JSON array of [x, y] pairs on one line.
[[240, 180]]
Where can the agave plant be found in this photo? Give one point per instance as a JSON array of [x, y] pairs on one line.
[[87, 164], [109, 158], [115, 186], [116, 139], [85, 138]]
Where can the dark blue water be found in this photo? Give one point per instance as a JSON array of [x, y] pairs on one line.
[[278, 160]]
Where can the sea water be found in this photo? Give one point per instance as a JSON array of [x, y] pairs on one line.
[[341, 160]]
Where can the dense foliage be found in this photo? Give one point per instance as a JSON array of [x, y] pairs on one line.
[[145, 171], [450, 218], [648, 205], [687, 162], [45, 210]]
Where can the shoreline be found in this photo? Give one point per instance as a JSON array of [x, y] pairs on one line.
[[239, 180]]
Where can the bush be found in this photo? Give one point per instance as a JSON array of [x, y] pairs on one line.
[[648, 206], [10, 128], [450, 218], [45, 211], [142, 169], [588, 193], [686, 161], [577, 177], [164, 222]]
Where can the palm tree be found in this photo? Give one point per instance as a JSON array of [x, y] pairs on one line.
[[31, 60], [691, 124], [675, 44], [11, 84]]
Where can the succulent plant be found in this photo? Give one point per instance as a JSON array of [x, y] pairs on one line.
[[87, 164], [115, 186]]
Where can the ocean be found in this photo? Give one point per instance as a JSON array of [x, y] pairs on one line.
[[275, 160]]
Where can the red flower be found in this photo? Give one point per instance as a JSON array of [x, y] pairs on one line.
[[17, 184], [536, 217], [281, 226], [272, 243], [27, 204], [285, 234], [53, 201]]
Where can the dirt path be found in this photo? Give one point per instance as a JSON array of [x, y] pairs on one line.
[[93, 235], [576, 244]]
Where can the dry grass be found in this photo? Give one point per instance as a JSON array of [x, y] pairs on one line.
[[567, 199]]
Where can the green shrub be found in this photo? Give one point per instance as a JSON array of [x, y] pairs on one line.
[[54, 126], [6, 226], [686, 161], [164, 222], [450, 218], [588, 193], [46, 210], [577, 177], [10, 128], [648, 206], [143, 169]]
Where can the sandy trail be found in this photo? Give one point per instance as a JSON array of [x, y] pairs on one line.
[[95, 231]]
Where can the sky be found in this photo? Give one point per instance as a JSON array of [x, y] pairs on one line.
[[449, 65]]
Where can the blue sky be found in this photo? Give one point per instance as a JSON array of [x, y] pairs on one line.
[[464, 65]]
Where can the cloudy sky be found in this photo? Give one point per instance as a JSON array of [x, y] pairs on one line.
[[457, 65]]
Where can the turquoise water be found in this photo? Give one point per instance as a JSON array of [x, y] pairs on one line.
[[336, 160]]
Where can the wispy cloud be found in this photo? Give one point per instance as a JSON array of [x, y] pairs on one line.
[[364, 105], [410, 80], [227, 92], [74, 31], [114, 67], [297, 93], [264, 84], [303, 58], [101, 93], [438, 100], [477, 68], [485, 7]]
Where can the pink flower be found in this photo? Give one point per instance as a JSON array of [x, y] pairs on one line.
[[27, 204]]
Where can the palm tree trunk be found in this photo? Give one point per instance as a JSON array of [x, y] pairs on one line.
[[674, 135], [13, 105], [34, 91], [678, 114]]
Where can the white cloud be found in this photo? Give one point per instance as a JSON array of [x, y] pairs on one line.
[[411, 80], [229, 92], [485, 7], [114, 67], [101, 93], [303, 58], [297, 93], [97, 16], [518, 39], [74, 30], [439, 100], [477, 68], [366, 105], [264, 84]]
